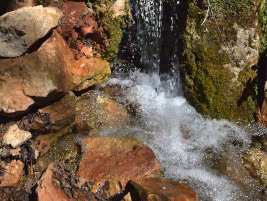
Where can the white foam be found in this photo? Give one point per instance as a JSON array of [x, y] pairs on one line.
[[180, 137]]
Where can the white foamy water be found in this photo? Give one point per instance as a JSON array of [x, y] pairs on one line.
[[181, 138]]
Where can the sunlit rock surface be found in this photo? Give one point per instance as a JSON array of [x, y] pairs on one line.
[[22, 28], [123, 159], [15, 136], [52, 69]]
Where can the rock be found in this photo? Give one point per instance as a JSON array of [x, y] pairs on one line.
[[218, 64], [14, 4], [256, 162], [159, 189], [58, 185], [12, 173], [15, 136], [119, 8], [46, 74], [112, 189], [22, 28], [76, 24], [60, 113], [96, 110], [122, 159]]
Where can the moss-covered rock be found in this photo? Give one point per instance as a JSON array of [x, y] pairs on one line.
[[219, 57], [112, 23]]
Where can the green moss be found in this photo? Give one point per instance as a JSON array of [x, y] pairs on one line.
[[263, 25], [115, 33], [64, 150], [112, 27], [209, 85]]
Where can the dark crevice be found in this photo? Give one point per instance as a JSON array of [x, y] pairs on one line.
[[169, 36], [37, 44], [34, 196], [81, 92], [262, 77]]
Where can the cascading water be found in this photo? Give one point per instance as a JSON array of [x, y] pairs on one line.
[[188, 146]]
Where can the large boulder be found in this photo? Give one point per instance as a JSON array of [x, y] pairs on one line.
[[20, 29], [219, 55], [50, 70], [159, 189], [122, 159]]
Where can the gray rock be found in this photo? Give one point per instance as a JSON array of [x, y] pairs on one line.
[[21, 28]]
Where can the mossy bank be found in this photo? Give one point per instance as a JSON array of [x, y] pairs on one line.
[[219, 56]]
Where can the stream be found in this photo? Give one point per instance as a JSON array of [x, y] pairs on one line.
[[205, 153]]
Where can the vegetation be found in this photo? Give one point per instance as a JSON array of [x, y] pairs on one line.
[[211, 87]]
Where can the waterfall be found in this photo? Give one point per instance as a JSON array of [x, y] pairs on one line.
[[188, 146]]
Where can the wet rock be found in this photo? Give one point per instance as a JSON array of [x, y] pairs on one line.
[[11, 173], [22, 28], [96, 110], [159, 189], [256, 162], [123, 159], [15, 136], [45, 75], [60, 113]]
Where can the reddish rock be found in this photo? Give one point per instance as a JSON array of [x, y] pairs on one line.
[[12, 173], [159, 189], [87, 51], [50, 70], [77, 23], [49, 188], [122, 159]]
